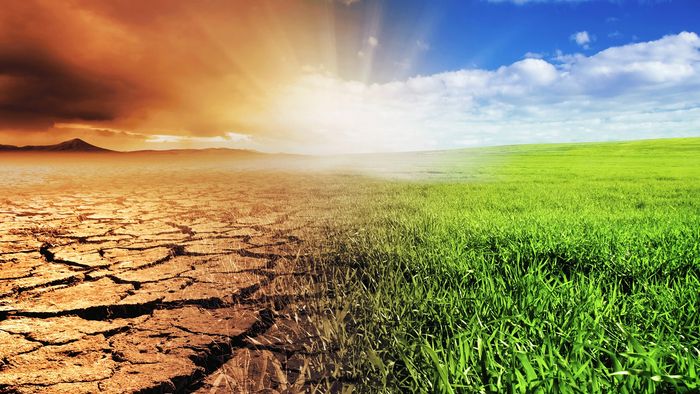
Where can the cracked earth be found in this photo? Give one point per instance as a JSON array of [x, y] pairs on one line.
[[127, 280]]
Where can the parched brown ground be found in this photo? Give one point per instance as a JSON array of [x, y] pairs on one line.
[[138, 279]]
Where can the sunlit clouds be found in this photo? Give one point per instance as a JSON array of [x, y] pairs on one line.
[[642, 90]]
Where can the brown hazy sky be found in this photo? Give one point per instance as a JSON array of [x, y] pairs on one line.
[[175, 73]]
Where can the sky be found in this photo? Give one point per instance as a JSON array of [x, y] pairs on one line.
[[347, 76]]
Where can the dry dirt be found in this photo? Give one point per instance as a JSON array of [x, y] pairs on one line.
[[141, 278]]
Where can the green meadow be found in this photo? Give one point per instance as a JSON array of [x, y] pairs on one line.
[[570, 268]]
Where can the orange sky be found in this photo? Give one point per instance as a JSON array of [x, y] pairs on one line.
[[157, 73]]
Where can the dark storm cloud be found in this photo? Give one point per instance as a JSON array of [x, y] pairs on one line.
[[158, 68], [39, 89]]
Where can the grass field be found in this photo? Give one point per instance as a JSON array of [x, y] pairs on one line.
[[569, 268]]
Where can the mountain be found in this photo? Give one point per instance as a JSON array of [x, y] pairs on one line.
[[74, 145], [77, 145]]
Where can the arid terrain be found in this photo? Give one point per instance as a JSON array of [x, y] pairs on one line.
[[155, 276]]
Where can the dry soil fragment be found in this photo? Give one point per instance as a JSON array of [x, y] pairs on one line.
[[227, 322], [45, 275], [173, 268], [60, 330], [15, 243], [83, 254], [81, 361], [131, 258], [103, 292], [12, 344], [157, 376], [220, 286], [154, 291], [61, 388]]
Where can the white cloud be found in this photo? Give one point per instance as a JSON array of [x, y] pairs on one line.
[[581, 38], [372, 41], [224, 140], [649, 89]]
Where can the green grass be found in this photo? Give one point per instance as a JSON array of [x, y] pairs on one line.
[[569, 268]]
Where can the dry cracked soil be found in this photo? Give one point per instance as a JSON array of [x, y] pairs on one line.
[[141, 278]]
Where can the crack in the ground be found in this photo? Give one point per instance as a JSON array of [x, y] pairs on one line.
[[187, 230], [215, 358], [68, 281], [105, 312], [45, 251], [123, 311]]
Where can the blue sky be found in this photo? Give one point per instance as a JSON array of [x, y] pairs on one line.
[[506, 29], [488, 34], [421, 75]]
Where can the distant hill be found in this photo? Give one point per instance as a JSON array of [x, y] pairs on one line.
[[74, 145], [77, 145]]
